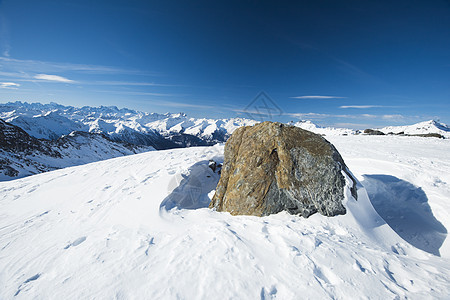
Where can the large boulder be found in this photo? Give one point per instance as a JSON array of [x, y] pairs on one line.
[[271, 167]]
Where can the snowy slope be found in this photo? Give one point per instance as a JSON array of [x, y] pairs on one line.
[[121, 228], [420, 128]]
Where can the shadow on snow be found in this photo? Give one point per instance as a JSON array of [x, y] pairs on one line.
[[405, 209], [190, 190]]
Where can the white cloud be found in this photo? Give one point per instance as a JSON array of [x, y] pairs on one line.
[[316, 116], [308, 115], [317, 97], [360, 106], [53, 78], [125, 83], [368, 116], [140, 93], [393, 117], [36, 66], [9, 85]]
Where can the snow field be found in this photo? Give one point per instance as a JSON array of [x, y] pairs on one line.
[[138, 227]]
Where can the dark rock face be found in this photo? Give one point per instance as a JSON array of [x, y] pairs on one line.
[[13, 138], [373, 132], [271, 167], [23, 155]]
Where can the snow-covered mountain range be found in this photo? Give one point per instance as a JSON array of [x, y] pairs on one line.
[[161, 131], [22, 155], [68, 135]]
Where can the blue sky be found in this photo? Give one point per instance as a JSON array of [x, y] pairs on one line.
[[341, 63]]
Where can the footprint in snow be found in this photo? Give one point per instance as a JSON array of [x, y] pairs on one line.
[[32, 278], [76, 242]]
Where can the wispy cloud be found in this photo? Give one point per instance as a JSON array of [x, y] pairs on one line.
[[308, 115], [393, 117], [317, 97], [128, 83], [360, 106], [9, 85], [133, 93], [37, 66], [318, 116], [55, 78], [5, 46], [368, 106], [345, 66]]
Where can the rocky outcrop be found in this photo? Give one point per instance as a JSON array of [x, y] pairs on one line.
[[22, 155], [373, 132], [271, 167]]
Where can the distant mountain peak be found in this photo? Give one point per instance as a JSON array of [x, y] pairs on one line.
[[425, 127]]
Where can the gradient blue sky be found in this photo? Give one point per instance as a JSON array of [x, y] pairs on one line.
[[342, 63]]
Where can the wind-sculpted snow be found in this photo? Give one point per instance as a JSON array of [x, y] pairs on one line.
[[116, 229], [393, 197]]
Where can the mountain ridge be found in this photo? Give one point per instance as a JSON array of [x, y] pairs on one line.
[[22, 155]]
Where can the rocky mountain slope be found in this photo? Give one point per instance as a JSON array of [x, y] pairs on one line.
[[22, 155], [161, 131]]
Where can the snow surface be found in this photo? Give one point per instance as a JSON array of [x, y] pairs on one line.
[[137, 227]]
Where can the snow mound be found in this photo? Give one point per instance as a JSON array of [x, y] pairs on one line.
[[138, 227]]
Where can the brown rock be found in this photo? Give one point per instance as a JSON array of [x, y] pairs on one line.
[[271, 167]]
